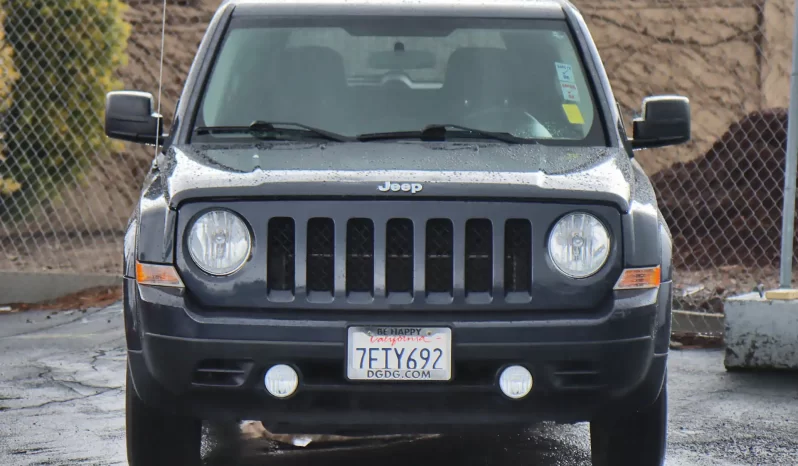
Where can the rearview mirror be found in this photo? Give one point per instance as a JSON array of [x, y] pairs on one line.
[[665, 122], [129, 116]]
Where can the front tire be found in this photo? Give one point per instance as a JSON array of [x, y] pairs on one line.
[[157, 438], [638, 439]]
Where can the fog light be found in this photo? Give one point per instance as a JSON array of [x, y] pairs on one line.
[[281, 381], [515, 382]]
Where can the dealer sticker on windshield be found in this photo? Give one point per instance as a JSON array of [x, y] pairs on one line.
[[574, 115], [416, 354], [565, 73], [570, 92]]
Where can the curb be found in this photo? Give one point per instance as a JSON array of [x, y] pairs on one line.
[[35, 287], [705, 323]]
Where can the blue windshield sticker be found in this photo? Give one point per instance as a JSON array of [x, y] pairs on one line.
[[565, 72]]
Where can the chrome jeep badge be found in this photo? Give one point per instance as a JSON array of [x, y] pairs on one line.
[[412, 188]]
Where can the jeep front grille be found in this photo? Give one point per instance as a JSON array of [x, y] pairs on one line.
[[437, 260]]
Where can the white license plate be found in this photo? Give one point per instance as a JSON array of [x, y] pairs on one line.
[[415, 354]]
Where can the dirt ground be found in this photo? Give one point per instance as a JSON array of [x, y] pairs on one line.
[[724, 208], [91, 298], [99, 252]]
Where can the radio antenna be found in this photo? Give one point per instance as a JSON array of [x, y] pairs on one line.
[[160, 80]]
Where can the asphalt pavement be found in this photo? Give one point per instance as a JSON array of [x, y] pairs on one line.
[[62, 403]]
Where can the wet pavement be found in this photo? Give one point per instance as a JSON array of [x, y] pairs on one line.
[[62, 403]]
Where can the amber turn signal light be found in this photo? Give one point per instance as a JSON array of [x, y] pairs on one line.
[[638, 279], [157, 275]]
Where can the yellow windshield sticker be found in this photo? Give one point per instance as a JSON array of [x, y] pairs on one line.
[[574, 115]]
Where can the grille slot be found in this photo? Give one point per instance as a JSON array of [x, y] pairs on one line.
[[281, 253], [399, 256], [222, 372], [360, 256], [479, 256], [517, 256], [321, 255], [577, 375], [439, 264]]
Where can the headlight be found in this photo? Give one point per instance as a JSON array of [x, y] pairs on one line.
[[579, 245], [219, 242]]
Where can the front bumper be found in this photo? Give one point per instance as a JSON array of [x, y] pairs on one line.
[[597, 362]]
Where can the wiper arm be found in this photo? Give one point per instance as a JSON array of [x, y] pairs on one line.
[[437, 132], [260, 130]]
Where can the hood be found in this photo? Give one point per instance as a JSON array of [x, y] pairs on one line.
[[443, 170]]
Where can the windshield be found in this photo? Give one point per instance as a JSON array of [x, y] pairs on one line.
[[356, 76]]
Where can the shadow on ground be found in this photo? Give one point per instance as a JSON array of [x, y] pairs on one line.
[[547, 445]]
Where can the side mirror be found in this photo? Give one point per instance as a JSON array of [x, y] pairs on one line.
[[129, 116], [665, 122]]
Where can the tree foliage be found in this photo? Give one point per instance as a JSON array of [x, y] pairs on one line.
[[8, 75], [66, 53], [8, 71]]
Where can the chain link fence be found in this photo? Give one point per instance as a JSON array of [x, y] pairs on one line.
[[721, 194]]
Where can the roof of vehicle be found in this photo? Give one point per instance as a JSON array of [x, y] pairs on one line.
[[547, 9]]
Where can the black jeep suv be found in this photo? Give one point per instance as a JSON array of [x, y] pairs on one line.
[[379, 217]]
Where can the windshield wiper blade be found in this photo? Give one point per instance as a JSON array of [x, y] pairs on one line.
[[440, 131], [437, 132], [258, 128]]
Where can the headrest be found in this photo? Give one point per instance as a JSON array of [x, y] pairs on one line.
[[312, 65], [478, 66]]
